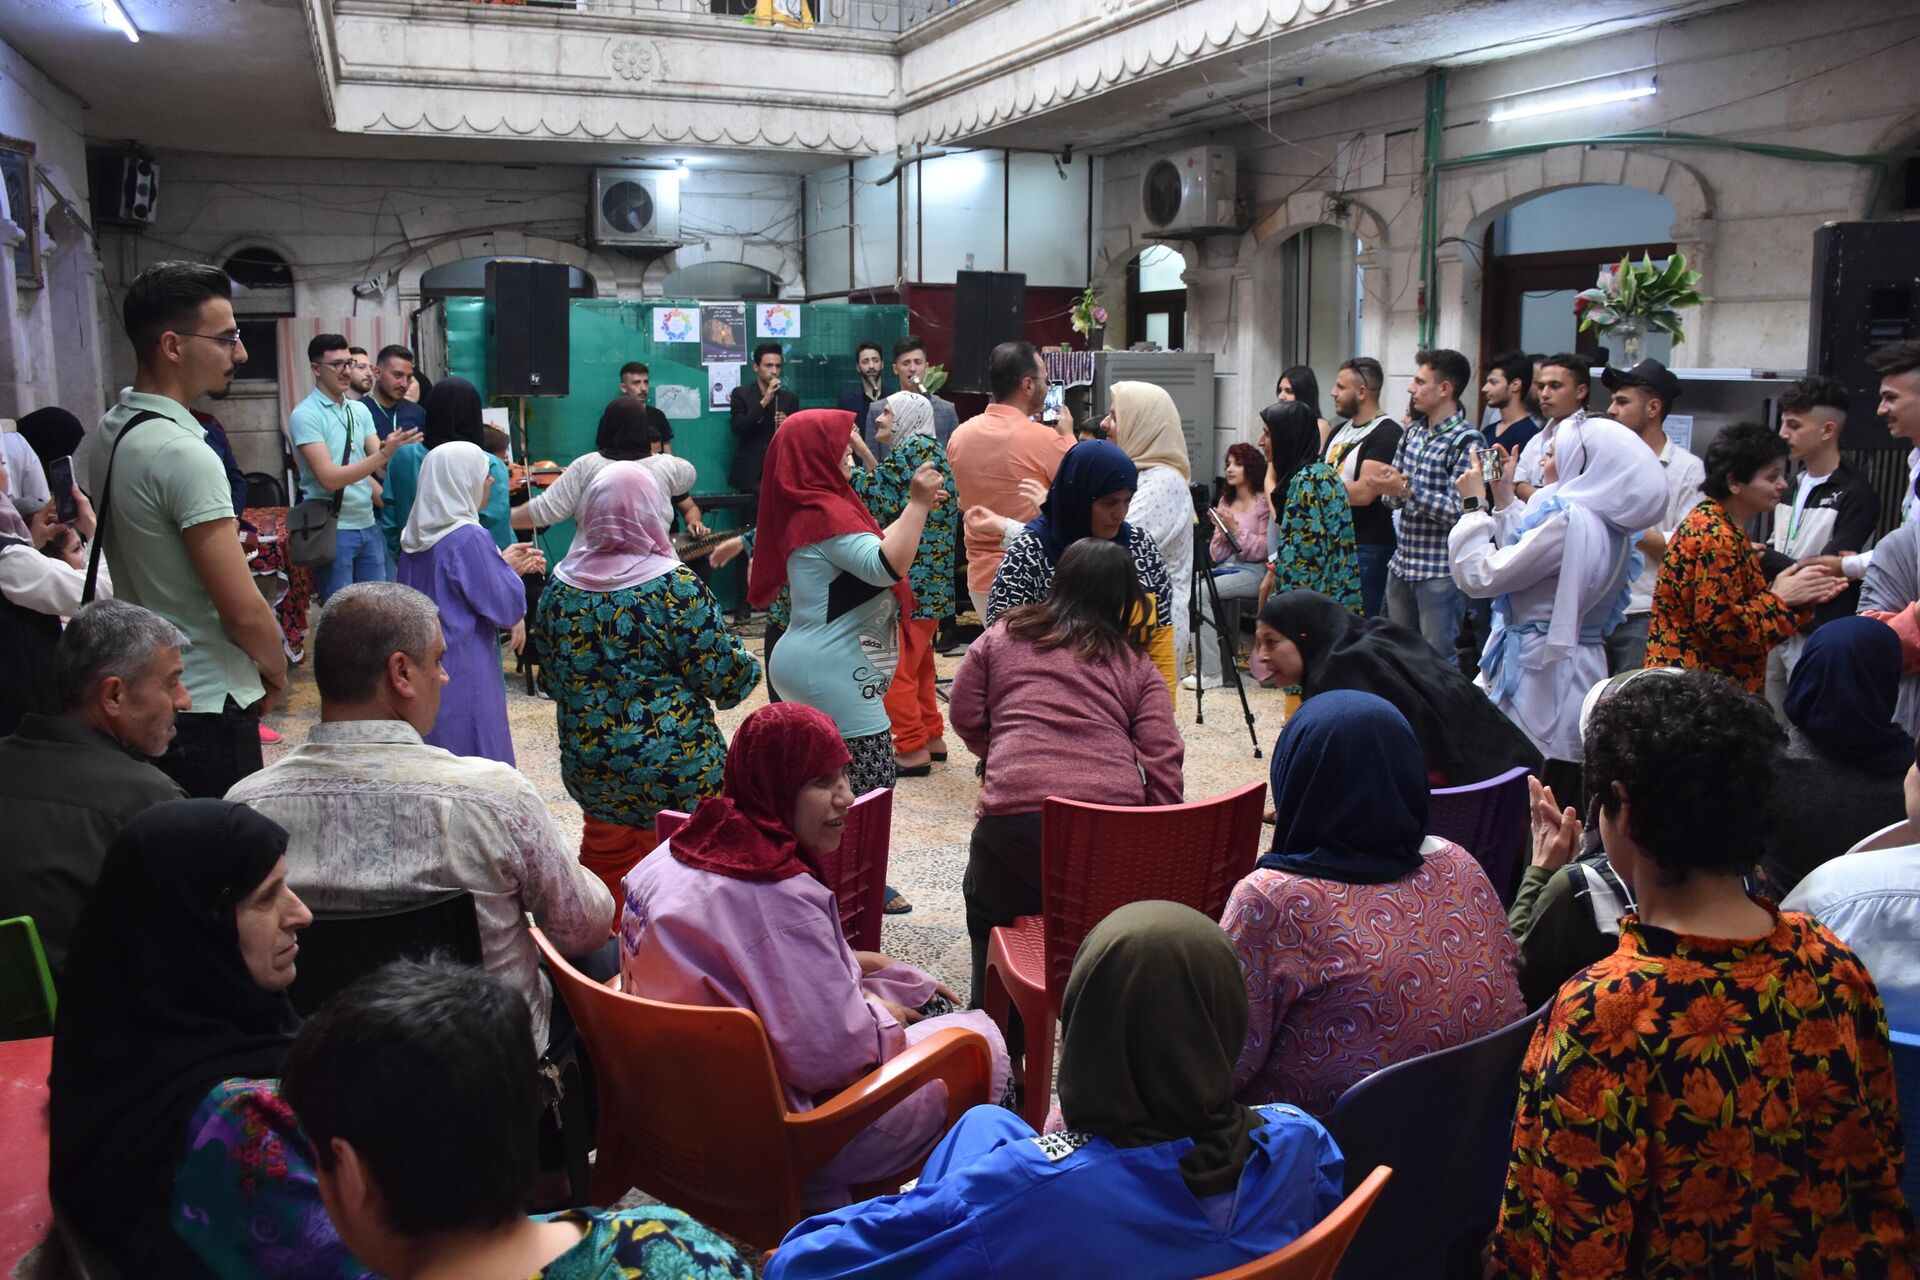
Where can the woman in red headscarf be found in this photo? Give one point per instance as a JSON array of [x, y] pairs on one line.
[[730, 911], [848, 581]]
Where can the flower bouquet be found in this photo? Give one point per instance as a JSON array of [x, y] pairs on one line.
[[1088, 314], [1632, 297]]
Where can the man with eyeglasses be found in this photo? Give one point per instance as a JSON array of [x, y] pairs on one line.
[[166, 522], [339, 452]]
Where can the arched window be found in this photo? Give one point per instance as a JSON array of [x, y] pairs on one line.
[[1157, 298], [467, 278], [262, 294]]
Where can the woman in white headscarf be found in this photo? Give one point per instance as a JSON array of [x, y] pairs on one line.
[[1145, 424], [1557, 569], [445, 553], [904, 424]]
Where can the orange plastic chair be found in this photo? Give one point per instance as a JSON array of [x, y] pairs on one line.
[[856, 871], [1095, 859], [1315, 1255], [692, 1113]]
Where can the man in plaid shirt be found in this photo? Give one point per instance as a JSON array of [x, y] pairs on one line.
[[1421, 594]]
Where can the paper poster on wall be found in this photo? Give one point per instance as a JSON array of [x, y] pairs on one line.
[[723, 332], [777, 320], [721, 380], [682, 404], [1679, 428], [676, 324]]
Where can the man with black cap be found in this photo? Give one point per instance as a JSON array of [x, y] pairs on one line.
[[1642, 397]]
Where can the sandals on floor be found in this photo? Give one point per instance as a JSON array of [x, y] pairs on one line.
[[896, 903]]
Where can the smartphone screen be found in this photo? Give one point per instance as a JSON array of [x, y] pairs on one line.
[[60, 485], [1056, 396]]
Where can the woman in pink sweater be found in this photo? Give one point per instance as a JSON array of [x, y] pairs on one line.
[[1059, 698]]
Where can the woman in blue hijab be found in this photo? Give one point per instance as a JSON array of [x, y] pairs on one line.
[[1842, 775], [1363, 940], [1088, 499]]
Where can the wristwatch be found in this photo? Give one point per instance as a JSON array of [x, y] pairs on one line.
[[1472, 504]]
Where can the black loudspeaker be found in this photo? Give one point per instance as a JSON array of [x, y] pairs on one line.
[[527, 328], [989, 308], [1866, 293]]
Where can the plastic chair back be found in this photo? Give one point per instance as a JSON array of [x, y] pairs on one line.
[[340, 946], [26, 1212], [1444, 1123], [1489, 821], [1097, 858], [1897, 836], [1315, 1255], [27, 999], [856, 871], [1906, 1075]]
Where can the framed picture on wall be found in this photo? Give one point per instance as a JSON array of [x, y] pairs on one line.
[[21, 183]]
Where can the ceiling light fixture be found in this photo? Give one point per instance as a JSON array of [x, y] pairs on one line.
[[1555, 105], [114, 16]]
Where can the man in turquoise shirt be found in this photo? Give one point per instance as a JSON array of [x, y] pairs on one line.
[[339, 452], [167, 524]]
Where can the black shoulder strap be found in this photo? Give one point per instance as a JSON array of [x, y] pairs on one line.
[[106, 497], [340, 494]]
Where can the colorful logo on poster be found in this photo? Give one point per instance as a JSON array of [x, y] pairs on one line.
[[779, 322], [675, 324]]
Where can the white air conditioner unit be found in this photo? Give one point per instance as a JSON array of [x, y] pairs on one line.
[[636, 207], [1195, 190]]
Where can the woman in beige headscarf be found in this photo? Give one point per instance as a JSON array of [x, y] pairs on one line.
[[1145, 424]]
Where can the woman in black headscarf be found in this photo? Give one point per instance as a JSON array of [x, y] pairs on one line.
[[1310, 640], [453, 413], [53, 433], [174, 999], [1160, 1173], [1843, 774]]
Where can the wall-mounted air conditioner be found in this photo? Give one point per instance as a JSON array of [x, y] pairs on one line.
[[636, 207], [1191, 191]]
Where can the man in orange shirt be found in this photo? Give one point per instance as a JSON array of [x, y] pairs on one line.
[[992, 454]]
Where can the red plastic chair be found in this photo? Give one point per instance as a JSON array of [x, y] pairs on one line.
[[1315, 1255], [856, 871], [1095, 859], [692, 1112], [1489, 820], [26, 1212]]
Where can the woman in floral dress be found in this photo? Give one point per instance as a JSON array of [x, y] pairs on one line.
[[637, 656], [1312, 529], [905, 425]]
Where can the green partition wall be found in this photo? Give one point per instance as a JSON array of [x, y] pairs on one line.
[[603, 335]]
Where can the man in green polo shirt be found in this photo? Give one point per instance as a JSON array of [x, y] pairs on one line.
[[339, 452], [167, 526]]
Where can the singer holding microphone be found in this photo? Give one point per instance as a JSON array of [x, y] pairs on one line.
[[755, 412], [910, 367]]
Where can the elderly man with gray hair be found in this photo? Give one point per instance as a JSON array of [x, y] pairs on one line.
[[380, 819], [69, 781]]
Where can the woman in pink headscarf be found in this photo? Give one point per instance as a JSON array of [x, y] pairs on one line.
[[635, 656], [731, 912]]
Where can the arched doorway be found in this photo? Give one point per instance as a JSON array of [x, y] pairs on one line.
[[1542, 252]]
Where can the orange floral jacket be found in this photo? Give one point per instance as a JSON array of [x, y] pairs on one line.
[[1702, 1106], [1711, 606]]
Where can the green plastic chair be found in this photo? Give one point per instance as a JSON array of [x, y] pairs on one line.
[[26, 984]]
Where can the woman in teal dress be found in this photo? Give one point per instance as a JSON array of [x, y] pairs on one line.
[[171, 1151], [636, 658], [905, 425], [1312, 529]]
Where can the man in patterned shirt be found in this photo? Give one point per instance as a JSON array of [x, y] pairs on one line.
[[1433, 452], [379, 819]]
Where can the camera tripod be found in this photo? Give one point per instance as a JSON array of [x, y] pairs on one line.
[[1202, 573]]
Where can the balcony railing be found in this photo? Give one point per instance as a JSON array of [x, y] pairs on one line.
[[881, 16]]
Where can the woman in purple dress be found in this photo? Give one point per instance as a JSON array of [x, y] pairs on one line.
[[446, 554]]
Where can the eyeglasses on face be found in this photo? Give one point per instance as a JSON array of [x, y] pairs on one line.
[[229, 340], [336, 365]]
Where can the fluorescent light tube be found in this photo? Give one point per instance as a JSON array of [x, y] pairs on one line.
[[114, 16], [1560, 104]]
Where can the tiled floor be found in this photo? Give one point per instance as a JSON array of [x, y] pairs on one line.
[[932, 817]]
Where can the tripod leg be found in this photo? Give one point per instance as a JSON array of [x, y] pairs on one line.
[[1231, 665]]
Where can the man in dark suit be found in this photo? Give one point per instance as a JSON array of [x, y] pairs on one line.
[[755, 413], [862, 395]]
